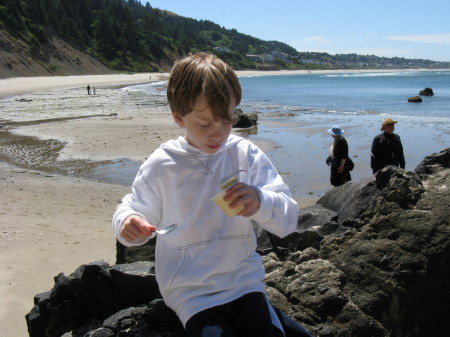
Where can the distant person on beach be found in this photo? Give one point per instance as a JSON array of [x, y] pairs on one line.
[[207, 269], [94, 90], [387, 148], [89, 89], [338, 160]]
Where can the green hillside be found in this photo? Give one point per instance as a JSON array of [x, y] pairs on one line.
[[128, 36]]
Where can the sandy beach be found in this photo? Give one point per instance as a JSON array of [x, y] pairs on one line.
[[52, 223], [22, 85]]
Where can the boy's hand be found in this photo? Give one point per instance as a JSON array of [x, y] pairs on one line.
[[247, 195], [135, 227]]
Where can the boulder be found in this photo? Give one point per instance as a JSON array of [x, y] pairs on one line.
[[415, 99], [89, 296], [244, 120], [426, 92], [371, 258], [433, 164]]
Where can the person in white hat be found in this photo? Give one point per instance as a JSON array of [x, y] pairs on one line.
[[387, 148], [338, 159]]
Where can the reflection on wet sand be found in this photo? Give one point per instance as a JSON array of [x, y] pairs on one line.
[[38, 154], [33, 153]]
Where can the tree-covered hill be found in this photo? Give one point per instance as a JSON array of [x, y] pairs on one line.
[[124, 35]]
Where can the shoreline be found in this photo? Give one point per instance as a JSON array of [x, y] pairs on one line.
[[52, 223], [141, 131], [15, 86]]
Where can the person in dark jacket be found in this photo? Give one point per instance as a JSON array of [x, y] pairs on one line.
[[387, 148], [339, 175]]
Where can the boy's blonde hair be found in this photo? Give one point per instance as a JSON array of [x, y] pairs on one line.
[[207, 75]]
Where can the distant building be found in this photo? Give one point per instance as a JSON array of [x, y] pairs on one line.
[[267, 58], [254, 58], [308, 61], [223, 49], [280, 56]]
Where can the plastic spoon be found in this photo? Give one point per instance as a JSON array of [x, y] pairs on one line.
[[168, 229]]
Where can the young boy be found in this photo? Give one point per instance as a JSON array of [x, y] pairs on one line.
[[207, 269]]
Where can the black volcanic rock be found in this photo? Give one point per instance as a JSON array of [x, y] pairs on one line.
[[415, 99], [426, 92], [244, 120], [370, 259]]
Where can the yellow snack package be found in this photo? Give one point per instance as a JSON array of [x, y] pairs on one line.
[[225, 205]]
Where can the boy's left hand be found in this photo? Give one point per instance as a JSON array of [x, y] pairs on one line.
[[241, 193]]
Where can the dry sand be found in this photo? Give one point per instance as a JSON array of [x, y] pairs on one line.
[[22, 85], [49, 225]]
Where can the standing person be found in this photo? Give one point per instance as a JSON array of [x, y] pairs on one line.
[[339, 171], [89, 89], [387, 148], [94, 90], [207, 269]]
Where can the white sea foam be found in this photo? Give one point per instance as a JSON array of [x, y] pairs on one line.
[[373, 74]]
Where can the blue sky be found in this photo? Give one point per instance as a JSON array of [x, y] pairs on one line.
[[402, 28]]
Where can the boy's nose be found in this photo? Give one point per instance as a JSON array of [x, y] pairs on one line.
[[218, 133]]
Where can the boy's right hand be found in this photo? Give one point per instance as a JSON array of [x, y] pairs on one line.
[[135, 227]]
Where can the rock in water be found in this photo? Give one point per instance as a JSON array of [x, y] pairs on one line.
[[415, 99], [426, 92]]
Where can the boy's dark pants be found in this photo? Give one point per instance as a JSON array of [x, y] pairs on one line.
[[247, 316]]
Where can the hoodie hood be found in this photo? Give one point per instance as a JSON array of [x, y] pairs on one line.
[[181, 147]]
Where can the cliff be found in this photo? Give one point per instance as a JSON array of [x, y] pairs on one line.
[[57, 57]]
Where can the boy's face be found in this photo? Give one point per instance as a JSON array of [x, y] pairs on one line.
[[202, 131]]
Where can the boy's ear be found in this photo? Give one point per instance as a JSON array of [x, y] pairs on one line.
[[178, 119]]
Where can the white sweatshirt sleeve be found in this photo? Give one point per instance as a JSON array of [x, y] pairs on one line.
[[278, 211], [140, 203]]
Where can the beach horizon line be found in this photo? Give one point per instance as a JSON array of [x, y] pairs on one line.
[[16, 86]]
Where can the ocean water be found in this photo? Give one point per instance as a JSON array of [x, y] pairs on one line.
[[350, 93], [360, 93], [294, 113], [298, 110]]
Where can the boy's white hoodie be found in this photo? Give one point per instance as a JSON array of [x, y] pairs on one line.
[[210, 259]]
